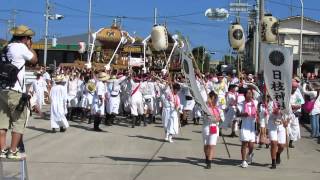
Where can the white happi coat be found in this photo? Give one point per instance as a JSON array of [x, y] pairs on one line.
[[136, 99], [113, 99], [58, 96], [221, 89], [86, 97], [294, 126], [149, 94], [73, 91], [98, 105], [39, 87], [231, 110]]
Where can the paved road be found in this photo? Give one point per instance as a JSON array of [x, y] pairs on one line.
[[123, 153]]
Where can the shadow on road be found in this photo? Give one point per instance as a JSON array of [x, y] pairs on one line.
[[148, 138], [233, 144], [161, 159], [159, 140], [234, 162], [39, 129]]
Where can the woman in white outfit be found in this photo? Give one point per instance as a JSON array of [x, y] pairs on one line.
[[210, 128], [173, 121], [248, 113], [58, 95], [277, 134]]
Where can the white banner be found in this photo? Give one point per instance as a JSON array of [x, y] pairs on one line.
[[278, 73], [188, 71], [135, 62]]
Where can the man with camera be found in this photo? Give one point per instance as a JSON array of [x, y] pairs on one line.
[[13, 97]]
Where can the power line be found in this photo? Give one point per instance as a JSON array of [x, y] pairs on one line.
[[293, 6], [127, 17]]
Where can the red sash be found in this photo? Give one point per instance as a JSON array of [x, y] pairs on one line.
[[135, 90]]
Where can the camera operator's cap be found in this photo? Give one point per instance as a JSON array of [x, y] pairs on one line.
[[21, 31]]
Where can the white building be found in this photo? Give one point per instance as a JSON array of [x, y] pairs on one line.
[[289, 34]]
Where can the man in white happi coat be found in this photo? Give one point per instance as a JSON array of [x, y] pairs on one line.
[[98, 105], [87, 90], [58, 96], [113, 98], [296, 102], [73, 89], [149, 95], [39, 86], [230, 113], [136, 102]]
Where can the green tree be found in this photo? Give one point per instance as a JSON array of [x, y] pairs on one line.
[[202, 58]]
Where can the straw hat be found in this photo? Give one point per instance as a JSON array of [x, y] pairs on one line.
[[102, 76], [91, 87], [59, 78], [21, 30]]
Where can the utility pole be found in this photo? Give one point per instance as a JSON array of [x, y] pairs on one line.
[[260, 14], [300, 42], [14, 14], [46, 33], [257, 37], [89, 29], [155, 16]]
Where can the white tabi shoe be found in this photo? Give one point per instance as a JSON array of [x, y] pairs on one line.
[[170, 139], [244, 164], [250, 158]]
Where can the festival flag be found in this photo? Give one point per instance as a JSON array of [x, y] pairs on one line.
[[188, 71], [278, 73]]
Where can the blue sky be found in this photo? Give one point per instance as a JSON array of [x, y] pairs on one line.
[[200, 30]]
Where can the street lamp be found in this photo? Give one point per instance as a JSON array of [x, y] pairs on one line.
[[48, 17], [300, 48]]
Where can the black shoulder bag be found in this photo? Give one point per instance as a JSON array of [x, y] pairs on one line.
[[8, 71]]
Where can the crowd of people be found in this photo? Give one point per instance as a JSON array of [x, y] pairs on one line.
[[239, 104], [235, 103]]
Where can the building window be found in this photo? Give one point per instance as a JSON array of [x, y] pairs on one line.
[[311, 44]]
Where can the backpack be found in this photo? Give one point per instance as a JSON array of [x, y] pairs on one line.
[[8, 71]]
